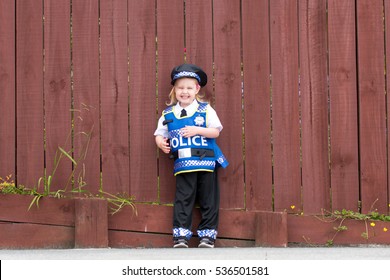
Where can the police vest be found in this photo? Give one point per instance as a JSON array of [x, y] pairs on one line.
[[196, 153]]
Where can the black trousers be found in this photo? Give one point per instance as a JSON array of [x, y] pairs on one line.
[[198, 186]]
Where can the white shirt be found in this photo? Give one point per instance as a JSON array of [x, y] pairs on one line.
[[212, 119]]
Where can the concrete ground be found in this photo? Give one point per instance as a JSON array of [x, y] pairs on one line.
[[371, 252], [303, 263]]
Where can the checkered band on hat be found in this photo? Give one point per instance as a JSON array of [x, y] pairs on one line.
[[183, 74], [190, 71]]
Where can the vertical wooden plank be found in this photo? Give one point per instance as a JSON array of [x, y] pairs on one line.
[[114, 96], [85, 59], [91, 223], [387, 34], [170, 46], [314, 105], [285, 104], [29, 85], [57, 91], [271, 229], [199, 39], [228, 99], [142, 71], [7, 88], [372, 106], [343, 105], [257, 102]]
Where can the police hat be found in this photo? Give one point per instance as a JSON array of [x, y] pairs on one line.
[[189, 71]]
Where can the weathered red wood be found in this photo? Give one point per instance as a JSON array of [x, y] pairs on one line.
[[170, 49], [147, 218], [57, 93], [114, 97], [126, 239], [48, 210], [237, 224], [387, 34], [271, 229], [317, 230], [91, 223], [343, 105], [228, 99], [151, 227], [285, 105], [314, 106], [158, 218], [199, 40], [85, 60], [7, 88], [29, 92], [372, 106], [33, 236], [257, 102], [142, 85]]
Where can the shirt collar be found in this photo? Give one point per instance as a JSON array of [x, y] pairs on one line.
[[190, 108]]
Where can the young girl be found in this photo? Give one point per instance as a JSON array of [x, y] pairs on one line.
[[187, 129]]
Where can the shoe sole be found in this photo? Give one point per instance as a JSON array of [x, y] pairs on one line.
[[204, 245], [180, 246]]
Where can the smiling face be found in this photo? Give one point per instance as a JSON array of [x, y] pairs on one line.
[[186, 90]]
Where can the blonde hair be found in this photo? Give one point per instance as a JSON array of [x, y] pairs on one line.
[[173, 101]]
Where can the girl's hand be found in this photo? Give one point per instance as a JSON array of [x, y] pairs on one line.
[[189, 131], [163, 144], [207, 132]]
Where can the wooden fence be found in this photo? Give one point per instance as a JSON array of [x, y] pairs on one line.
[[299, 85]]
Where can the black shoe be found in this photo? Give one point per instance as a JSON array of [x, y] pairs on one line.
[[206, 242], [180, 243]]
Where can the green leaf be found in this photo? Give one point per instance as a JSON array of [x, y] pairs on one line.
[[67, 155], [49, 181], [35, 200]]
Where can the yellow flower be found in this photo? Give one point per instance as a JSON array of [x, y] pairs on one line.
[[372, 224], [384, 229], [292, 207]]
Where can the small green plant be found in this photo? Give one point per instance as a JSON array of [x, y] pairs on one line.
[[7, 185], [77, 181], [343, 215], [116, 202], [338, 229], [119, 201], [6, 182], [44, 186]]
